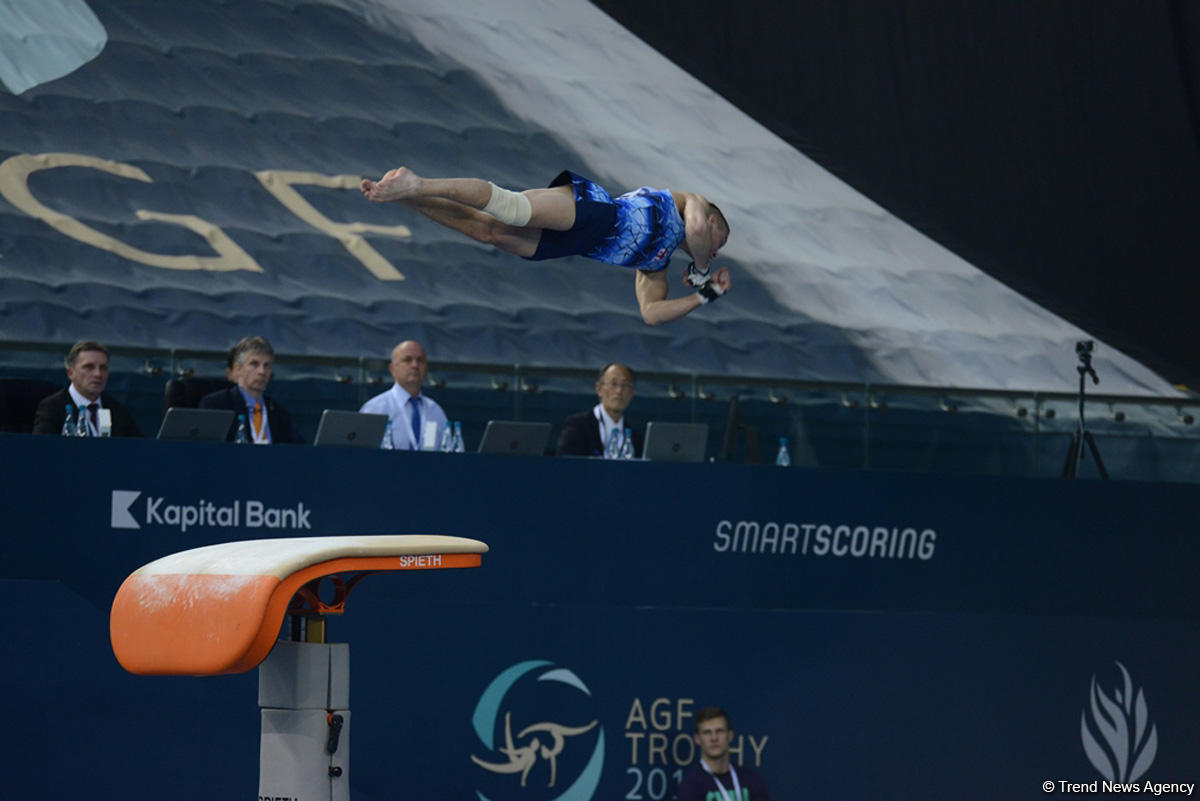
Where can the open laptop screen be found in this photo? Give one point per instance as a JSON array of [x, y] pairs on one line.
[[196, 425], [509, 436], [675, 442], [350, 429]]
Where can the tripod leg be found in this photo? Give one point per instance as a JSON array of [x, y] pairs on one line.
[[1071, 465], [1091, 441]]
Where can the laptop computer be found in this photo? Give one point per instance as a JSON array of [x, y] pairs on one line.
[[675, 442], [196, 425], [509, 436], [350, 429]]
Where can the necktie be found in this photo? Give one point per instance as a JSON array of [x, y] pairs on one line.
[[258, 424], [93, 414], [415, 404]]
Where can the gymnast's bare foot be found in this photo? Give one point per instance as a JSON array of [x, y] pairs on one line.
[[396, 184]]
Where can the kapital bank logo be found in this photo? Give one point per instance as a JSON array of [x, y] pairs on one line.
[[1118, 737], [130, 510], [551, 741]]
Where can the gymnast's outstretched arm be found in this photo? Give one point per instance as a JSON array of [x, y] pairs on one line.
[[651, 289]]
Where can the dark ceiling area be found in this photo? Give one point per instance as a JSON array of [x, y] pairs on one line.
[[1056, 146]]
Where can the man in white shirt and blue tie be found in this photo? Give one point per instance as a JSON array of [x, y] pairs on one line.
[[411, 412]]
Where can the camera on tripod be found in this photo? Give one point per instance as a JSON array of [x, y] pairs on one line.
[[1082, 437], [1083, 349]]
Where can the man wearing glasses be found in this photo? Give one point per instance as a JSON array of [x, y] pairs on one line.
[[586, 433]]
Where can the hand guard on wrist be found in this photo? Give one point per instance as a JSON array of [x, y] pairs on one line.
[[710, 292], [694, 278]]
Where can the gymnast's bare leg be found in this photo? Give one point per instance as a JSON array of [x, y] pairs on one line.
[[552, 208], [517, 240]]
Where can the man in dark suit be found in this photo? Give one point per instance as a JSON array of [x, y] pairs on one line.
[[87, 370], [266, 421], [585, 434]]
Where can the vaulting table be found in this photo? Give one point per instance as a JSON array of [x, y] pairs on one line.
[[221, 608]]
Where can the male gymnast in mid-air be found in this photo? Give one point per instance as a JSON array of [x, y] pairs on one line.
[[575, 217]]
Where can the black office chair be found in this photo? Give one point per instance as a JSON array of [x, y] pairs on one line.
[[19, 398], [186, 391]]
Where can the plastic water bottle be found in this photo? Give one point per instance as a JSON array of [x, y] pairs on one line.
[[447, 442], [81, 424], [68, 429], [783, 459], [627, 444], [613, 449], [387, 443], [459, 447], [243, 436]]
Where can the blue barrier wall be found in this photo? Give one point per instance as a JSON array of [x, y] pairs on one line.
[[874, 635]]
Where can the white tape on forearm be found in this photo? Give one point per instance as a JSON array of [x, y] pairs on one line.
[[508, 207]]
